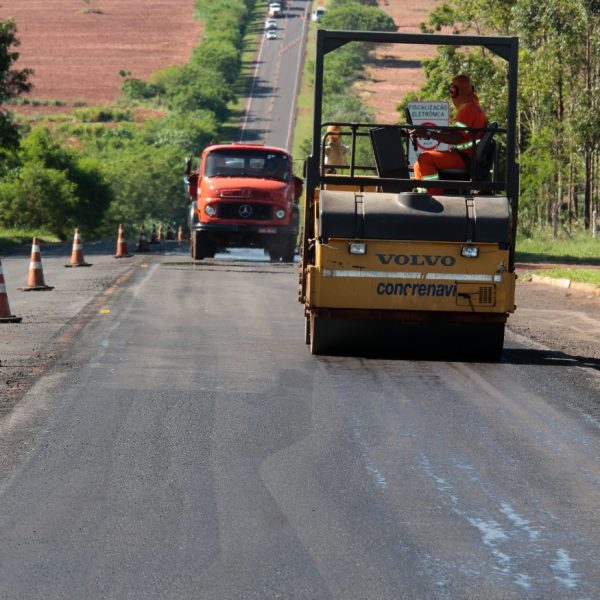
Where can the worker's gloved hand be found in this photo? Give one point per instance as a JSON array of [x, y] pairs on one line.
[[421, 134]]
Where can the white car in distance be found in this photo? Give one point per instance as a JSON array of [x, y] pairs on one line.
[[271, 34], [274, 9], [271, 24], [318, 13]]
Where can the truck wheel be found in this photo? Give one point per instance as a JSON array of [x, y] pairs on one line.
[[289, 249], [274, 254], [482, 342], [307, 330], [194, 246], [492, 342], [200, 246]]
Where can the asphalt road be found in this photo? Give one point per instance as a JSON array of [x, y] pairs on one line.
[[165, 433], [185, 444], [269, 114]]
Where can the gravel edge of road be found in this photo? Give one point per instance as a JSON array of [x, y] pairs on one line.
[[19, 380]]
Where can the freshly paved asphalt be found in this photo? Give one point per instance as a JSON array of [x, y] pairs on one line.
[[189, 446]]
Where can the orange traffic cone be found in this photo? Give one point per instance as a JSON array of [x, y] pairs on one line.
[[35, 277], [161, 235], [143, 245], [77, 259], [180, 234], [122, 251], [5, 316]]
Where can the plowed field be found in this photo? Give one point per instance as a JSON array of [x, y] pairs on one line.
[[398, 69], [78, 47]]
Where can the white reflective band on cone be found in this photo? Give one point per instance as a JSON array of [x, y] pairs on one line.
[[77, 246], [35, 248], [2, 288], [35, 265]]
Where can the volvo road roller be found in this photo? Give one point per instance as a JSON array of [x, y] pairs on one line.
[[384, 261]]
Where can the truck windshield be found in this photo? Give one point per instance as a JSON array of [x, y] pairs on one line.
[[248, 163]]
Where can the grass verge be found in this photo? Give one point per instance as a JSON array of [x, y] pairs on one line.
[[304, 114], [9, 238], [588, 276], [580, 248]]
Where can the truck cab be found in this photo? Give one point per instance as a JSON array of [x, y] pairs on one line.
[[243, 195]]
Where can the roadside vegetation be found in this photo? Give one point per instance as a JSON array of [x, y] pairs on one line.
[[559, 101], [341, 99], [587, 276], [100, 166]]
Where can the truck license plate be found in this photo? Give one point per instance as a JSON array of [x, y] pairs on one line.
[[267, 230]]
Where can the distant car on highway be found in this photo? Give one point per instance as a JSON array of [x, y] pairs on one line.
[[271, 34], [271, 24], [274, 9], [318, 13]]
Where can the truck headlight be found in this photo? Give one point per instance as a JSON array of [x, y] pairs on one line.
[[280, 213], [469, 251], [357, 248], [210, 210]]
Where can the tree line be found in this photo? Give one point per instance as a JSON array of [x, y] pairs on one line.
[[559, 97], [342, 101], [101, 166]]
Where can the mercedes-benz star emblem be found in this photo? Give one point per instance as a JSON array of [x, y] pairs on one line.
[[245, 211]]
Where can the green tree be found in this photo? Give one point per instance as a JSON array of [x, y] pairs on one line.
[[203, 89], [558, 97], [221, 55], [13, 82], [35, 196], [352, 15], [52, 181]]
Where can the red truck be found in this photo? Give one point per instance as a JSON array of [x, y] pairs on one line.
[[243, 195]]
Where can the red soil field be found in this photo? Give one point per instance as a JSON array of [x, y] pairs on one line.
[[78, 47], [398, 69]]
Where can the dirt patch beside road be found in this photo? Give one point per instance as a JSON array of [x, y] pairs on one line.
[[397, 69], [565, 320], [51, 319]]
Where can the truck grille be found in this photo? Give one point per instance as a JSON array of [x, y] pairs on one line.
[[245, 211], [486, 295], [245, 194], [474, 294]]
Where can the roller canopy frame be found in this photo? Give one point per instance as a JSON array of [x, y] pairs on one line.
[[504, 47]]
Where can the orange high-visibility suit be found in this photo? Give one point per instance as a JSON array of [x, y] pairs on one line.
[[469, 115]]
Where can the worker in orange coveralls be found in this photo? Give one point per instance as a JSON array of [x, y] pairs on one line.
[[468, 115]]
